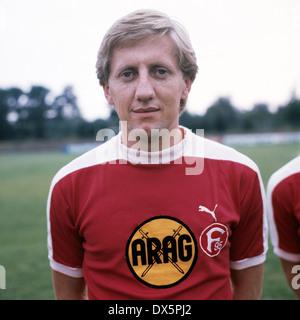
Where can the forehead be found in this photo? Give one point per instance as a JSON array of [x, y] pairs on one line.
[[147, 50]]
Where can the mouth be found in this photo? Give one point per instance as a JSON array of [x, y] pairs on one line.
[[146, 110]]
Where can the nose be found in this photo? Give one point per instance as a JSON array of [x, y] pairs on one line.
[[144, 89]]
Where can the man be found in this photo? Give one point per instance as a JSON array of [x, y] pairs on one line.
[[284, 217], [156, 212]]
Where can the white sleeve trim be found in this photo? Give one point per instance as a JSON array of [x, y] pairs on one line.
[[71, 272], [293, 257], [248, 262]]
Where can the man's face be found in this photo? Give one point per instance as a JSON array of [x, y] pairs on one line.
[[146, 85]]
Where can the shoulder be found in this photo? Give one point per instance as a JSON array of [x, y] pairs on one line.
[[216, 151], [104, 153], [283, 173]]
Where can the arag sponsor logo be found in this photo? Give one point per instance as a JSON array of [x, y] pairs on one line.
[[161, 252]]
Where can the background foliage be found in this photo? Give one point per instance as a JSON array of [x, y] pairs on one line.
[[38, 114]]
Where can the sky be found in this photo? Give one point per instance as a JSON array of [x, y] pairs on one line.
[[247, 50]]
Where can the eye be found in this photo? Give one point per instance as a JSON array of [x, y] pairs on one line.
[[127, 74], [160, 73]]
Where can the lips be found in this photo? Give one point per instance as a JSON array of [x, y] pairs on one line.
[[146, 110]]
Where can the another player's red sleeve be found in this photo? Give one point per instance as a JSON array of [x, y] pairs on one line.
[[64, 243], [287, 225]]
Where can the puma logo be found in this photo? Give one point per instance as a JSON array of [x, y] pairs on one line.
[[212, 213]]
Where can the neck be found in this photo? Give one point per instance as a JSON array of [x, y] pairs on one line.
[[153, 141]]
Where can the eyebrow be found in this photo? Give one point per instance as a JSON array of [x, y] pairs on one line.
[[120, 70], [151, 66]]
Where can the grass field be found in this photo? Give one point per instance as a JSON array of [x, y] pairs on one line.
[[24, 185]]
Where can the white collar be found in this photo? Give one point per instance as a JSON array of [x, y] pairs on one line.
[[159, 157]]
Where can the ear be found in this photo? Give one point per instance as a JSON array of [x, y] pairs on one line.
[[108, 94], [188, 85]]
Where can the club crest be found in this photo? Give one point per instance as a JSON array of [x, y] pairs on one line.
[[213, 239]]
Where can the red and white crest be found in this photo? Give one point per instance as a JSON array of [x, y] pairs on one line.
[[213, 239]]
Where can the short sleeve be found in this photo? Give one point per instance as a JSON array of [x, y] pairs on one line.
[[249, 237], [285, 234], [65, 249]]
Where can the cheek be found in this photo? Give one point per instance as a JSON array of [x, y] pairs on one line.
[[122, 106], [123, 94], [171, 99], [119, 99], [121, 112]]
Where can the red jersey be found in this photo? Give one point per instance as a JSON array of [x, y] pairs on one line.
[[160, 225], [283, 196]]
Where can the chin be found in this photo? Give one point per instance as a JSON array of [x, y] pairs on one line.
[[147, 126]]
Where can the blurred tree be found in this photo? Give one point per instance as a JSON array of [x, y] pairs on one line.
[[63, 119], [221, 117], [289, 115], [191, 121], [9, 107], [40, 114], [258, 119], [36, 115], [4, 110], [65, 106], [37, 107]]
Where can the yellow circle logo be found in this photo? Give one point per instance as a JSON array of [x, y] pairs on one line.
[[161, 252]]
